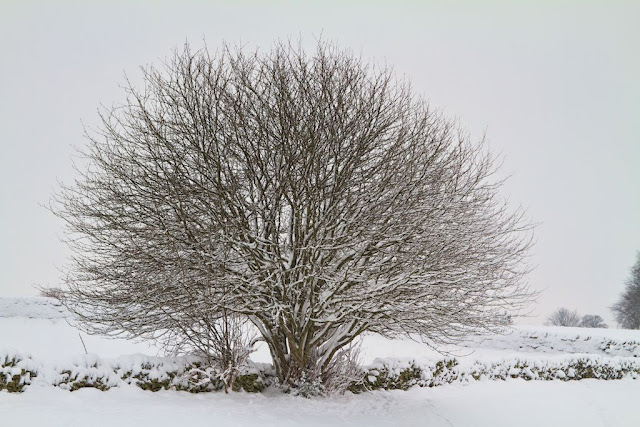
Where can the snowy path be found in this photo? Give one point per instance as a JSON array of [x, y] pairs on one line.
[[512, 403]]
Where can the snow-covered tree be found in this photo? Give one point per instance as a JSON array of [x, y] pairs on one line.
[[627, 309], [312, 194], [592, 321], [564, 317]]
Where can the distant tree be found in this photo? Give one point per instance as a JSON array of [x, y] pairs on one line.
[[314, 195], [564, 317], [627, 309], [592, 321]]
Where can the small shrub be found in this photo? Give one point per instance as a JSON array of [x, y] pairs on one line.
[[308, 387]]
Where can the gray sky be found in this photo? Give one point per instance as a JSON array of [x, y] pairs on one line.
[[555, 84]]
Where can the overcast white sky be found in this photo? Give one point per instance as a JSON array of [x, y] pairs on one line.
[[555, 84]]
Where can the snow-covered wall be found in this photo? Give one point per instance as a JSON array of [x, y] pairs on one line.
[[33, 308]]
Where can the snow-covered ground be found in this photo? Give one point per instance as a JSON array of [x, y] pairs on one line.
[[583, 403], [38, 327]]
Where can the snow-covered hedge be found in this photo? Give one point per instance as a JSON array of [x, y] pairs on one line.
[[149, 373], [393, 373], [17, 371]]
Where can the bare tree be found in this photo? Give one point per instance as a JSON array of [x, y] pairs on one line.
[[592, 321], [311, 194], [627, 309], [564, 317]]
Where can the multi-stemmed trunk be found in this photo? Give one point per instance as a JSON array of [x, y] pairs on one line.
[[305, 347]]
